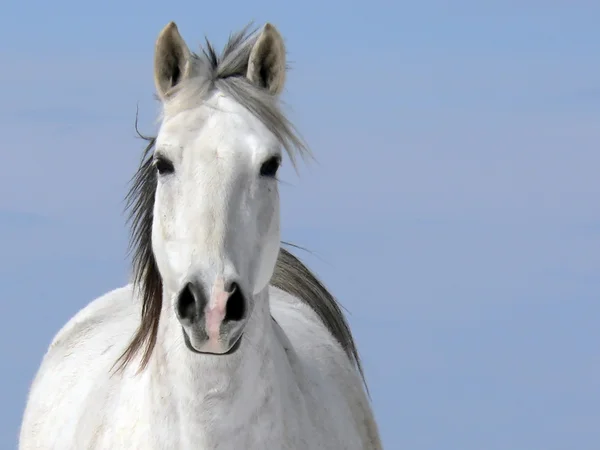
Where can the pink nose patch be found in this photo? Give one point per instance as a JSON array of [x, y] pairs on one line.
[[215, 310]]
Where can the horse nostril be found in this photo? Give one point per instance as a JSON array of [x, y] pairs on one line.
[[186, 304], [235, 309]]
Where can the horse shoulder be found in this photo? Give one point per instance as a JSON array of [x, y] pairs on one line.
[[68, 375], [90, 316], [331, 369]]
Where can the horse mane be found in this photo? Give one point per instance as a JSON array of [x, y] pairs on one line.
[[225, 72]]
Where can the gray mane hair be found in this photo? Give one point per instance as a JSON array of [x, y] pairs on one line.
[[225, 73]]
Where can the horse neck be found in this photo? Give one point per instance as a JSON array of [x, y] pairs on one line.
[[203, 386]]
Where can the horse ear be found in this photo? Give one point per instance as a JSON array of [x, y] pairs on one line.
[[172, 60], [267, 63]]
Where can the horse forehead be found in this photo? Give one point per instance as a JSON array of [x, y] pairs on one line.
[[233, 126], [219, 124]]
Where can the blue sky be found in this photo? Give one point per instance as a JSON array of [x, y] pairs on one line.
[[453, 208]]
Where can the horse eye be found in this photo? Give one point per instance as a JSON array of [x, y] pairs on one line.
[[270, 167], [163, 166]]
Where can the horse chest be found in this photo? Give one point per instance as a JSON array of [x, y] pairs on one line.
[[213, 428]]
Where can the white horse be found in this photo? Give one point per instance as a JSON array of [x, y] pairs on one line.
[[223, 340]]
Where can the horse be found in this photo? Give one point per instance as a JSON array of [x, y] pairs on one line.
[[222, 339]]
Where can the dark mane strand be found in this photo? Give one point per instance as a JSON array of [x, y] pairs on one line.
[[293, 277], [145, 275]]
